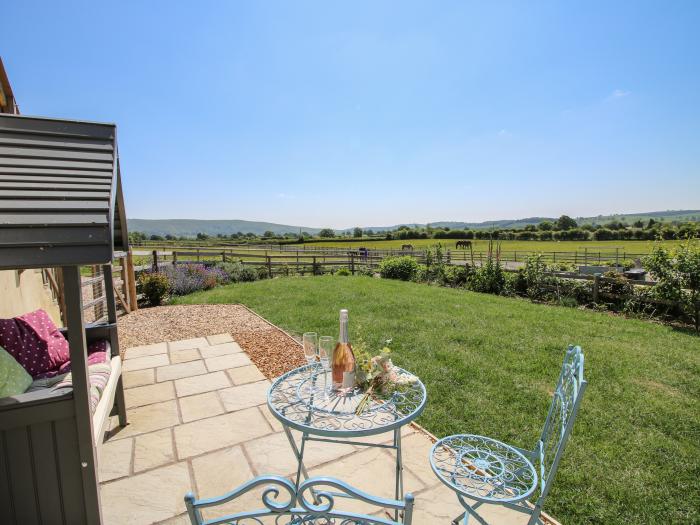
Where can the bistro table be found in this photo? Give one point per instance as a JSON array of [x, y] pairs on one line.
[[300, 401]]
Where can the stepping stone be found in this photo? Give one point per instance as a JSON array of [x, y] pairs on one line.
[[206, 435], [223, 349], [167, 373], [139, 363], [245, 374], [185, 344], [189, 386], [146, 350], [149, 394], [139, 377], [200, 406], [148, 497], [153, 449], [227, 361], [244, 396], [219, 338]]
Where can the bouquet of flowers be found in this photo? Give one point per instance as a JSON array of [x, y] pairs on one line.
[[377, 375]]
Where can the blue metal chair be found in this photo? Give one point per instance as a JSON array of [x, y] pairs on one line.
[[489, 471], [311, 504]]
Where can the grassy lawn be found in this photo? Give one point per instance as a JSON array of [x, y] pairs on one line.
[[490, 363]]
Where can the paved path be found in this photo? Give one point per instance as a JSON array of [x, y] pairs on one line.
[[199, 422]]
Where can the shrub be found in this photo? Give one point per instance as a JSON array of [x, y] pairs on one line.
[[237, 272], [678, 276], [155, 286], [343, 272], [188, 278], [456, 275], [404, 268], [488, 278]]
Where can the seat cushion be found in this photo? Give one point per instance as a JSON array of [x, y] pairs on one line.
[[35, 342], [14, 379], [98, 376]]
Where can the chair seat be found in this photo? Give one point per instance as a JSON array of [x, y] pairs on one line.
[[483, 469]]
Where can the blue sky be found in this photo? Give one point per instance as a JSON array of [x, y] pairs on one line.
[[375, 113]]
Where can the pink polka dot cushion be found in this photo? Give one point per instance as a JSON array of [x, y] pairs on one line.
[[35, 342]]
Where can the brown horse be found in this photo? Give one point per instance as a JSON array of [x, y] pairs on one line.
[[407, 247], [464, 244]]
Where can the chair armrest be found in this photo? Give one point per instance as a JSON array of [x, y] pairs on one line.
[[36, 397], [95, 332]]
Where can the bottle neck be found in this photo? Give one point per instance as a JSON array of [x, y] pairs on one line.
[[343, 337]]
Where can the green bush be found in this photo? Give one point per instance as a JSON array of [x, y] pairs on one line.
[[343, 272], [238, 272], [155, 287], [404, 268], [678, 276], [488, 278], [456, 275]]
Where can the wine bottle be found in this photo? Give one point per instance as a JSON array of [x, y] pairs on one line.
[[343, 365]]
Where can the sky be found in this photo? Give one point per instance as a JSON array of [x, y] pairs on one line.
[[370, 113]]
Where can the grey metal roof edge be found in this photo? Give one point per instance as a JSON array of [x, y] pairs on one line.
[[59, 119]]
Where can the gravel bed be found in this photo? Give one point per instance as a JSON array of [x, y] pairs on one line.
[[272, 350]]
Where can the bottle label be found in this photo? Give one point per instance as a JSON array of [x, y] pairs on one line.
[[348, 379]]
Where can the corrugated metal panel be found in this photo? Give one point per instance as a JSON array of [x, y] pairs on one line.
[[60, 193]]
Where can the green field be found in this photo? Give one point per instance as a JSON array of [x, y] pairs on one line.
[[489, 364], [524, 246]]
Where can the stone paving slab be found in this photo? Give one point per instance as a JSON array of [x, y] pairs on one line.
[[205, 427]]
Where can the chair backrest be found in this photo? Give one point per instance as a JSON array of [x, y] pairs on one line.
[[561, 416], [313, 501]]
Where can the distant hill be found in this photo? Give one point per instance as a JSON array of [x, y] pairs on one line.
[[191, 227]]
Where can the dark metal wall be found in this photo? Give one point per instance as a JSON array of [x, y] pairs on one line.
[[60, 193]]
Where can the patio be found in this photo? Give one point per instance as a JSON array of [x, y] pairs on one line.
[[199, 422]]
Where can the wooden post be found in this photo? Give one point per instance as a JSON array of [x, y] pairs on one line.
[[154, 267], [352, 263], [197, 254], [81, 391], [174, 257], [131, 279], [223, 256], [596, 286], [269, 266]]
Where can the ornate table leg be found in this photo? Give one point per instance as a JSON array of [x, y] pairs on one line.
[[399, 469]]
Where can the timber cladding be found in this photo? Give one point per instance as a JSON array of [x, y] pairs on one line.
[[60, 193]]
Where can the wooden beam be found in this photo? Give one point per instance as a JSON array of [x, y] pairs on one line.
[[81, 391]]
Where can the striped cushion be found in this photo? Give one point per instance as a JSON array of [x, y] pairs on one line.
[[98, 375]]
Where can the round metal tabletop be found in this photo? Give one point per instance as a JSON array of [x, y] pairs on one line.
[[298, 399]]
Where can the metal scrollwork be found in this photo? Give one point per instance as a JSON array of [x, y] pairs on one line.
[[298, 399]]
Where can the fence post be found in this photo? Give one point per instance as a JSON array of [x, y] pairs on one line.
[[352, 263], [269, 266], [154, 266], [131, 276], [596, 285], [197, 254], [223, 256], [174, 257]]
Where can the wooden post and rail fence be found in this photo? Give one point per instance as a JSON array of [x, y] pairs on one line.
[[94, 292]]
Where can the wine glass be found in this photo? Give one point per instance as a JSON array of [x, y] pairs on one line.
[[310, 347], [325, 351]]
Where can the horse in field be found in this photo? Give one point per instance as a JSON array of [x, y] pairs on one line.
[[406, 247], [464, 244]]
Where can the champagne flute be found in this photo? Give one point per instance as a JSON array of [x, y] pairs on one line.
[[310, 347], [325, 350]]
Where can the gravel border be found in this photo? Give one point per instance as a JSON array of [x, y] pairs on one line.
[[272, 350]]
